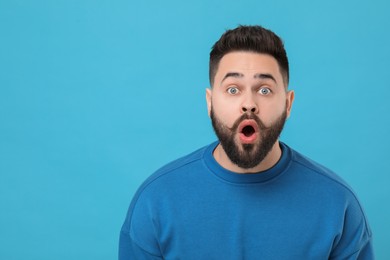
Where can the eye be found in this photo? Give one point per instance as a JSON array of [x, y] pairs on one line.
[[232, 90], [264, 91]]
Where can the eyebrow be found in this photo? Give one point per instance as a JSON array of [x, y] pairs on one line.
[[232, 75], [264, 76], [256, 76]]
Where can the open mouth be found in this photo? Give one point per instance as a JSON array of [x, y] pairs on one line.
[[248, 131]]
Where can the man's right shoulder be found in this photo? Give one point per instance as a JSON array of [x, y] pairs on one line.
[[175, 168]]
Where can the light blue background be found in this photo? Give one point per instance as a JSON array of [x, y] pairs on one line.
[[96, 95]]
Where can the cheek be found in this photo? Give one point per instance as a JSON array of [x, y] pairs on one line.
[[224, 111], [272, 111]]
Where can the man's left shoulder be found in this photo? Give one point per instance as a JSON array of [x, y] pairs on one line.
[[319, 173]]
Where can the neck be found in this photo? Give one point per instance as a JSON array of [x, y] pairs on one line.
[[270, 160]]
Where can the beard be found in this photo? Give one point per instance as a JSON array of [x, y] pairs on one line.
[[247, 156]]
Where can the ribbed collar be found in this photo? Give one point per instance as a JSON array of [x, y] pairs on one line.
[[259, 177]]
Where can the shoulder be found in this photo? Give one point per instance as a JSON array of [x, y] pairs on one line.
[[156, 187], [177, 165], [172, 172], [334, 189], [323, 181], [317, 171], [139, 228]]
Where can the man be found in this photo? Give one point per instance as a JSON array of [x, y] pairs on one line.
[[248, 196]]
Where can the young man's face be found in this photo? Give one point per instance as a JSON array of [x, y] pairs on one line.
[[248, 105]]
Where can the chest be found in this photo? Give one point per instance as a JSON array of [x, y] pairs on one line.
[[248, 224]]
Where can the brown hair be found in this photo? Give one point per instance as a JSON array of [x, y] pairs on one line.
[[253, 39]]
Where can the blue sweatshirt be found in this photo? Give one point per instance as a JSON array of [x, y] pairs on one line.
[[193, 208]]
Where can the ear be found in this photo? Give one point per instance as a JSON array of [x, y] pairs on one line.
[[208, 99], [289, 101]]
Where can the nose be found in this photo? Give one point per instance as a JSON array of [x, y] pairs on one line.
[[249, 105]]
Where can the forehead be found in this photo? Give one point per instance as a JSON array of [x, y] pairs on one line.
[[248, 63]]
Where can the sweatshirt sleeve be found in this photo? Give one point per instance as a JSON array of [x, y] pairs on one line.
[[355, 239], [128, 249], [138, 239]]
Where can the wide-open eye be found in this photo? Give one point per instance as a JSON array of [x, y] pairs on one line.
[[232, 90], [264, 91]]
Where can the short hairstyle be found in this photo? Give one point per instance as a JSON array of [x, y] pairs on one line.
[[252, 39]]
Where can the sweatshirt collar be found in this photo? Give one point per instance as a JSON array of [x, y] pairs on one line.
[[243, 178]]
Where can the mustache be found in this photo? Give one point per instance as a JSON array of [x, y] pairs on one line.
[[247, 116]]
